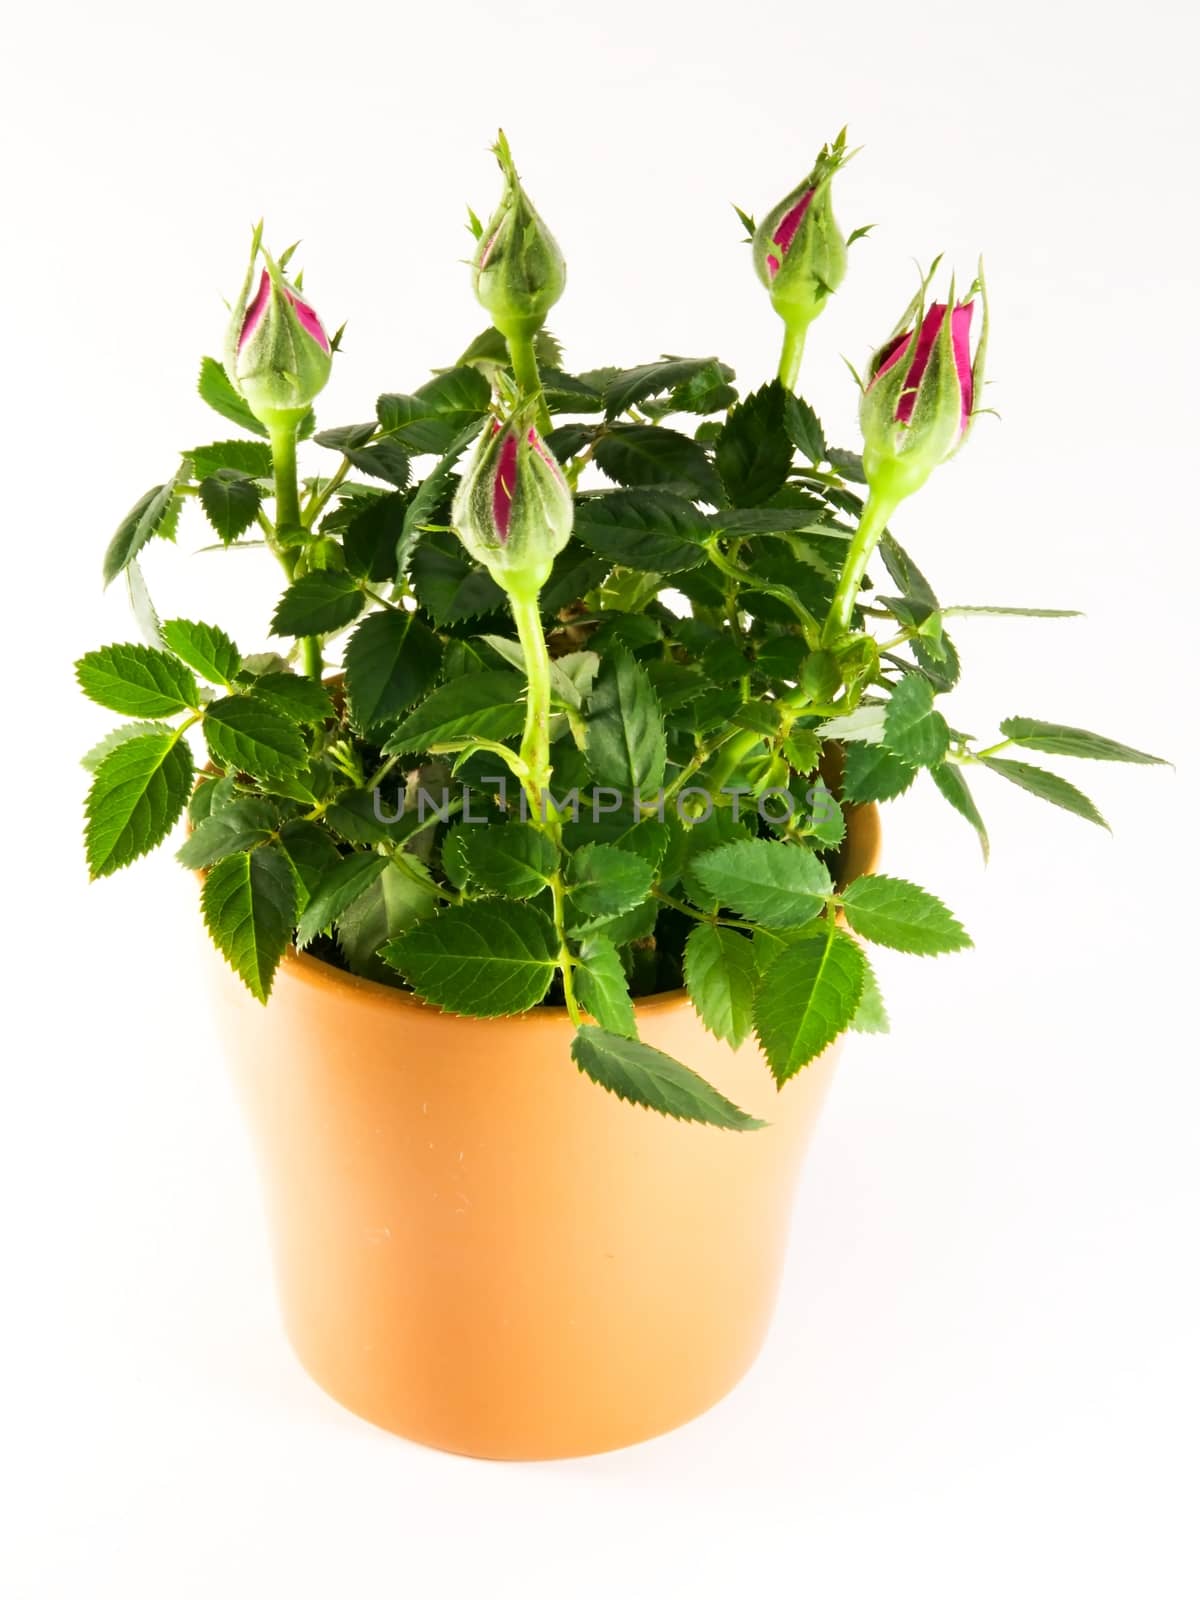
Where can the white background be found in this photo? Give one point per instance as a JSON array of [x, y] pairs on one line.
[[982, 1375]]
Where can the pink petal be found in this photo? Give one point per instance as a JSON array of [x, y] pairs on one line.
[[257, 306], [786, 231], [308, 319], [504, 486], [537, 444], [960, 338], [926, 339], [772, 265], [891, 353]]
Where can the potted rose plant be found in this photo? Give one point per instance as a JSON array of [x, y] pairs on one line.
[[559, 777]]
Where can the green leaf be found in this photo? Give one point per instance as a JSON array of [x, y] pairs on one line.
[[137, 681], [754, 453], [566, 393], [156, 513], [775, 884], [953, 786], [210, 652], [603, 881], [490, 958], [1008, 611], [809, 994], [871, 1016], [301, 700], [721, 976], [121, 735], [249, 905], [231, 503], [626, 388], [339, 887], [627, 747], [1056, 740], [641, 456], [142, 606], [383, 458], [892, 912], [1047, 786], [804, 428], [874, 773], [847, 464], [483, 705], [246, 456], [371, 537], [515, 859], [239, 826], [644, 1076], [603, 988], [912, 729], [649, 530], [397, 899], [391, 660], [246, 734], [311, 851], [426, 422], [430, 496], [216, 391], [449, 584], [136, 798], [319, 602]]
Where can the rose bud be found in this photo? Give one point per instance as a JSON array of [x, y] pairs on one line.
[[513, 510], [799, 251], [277, 354], [518, 270], [921, 391]]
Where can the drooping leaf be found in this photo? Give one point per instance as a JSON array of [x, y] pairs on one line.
[[603, 988], [644, 1076], [206, 649], [488, 958], [775, 884], [391, 660], [246, 734], [319, 602], [249, 904], [137, 796], [483, 705], [339, 887], [809, 994], [239, 826], [913, 729], [1056, 740], [626, 747], [721, 976], [898, 914], [137, 681], [516, 859], [231, 502], [954, 787], [1047, 786]]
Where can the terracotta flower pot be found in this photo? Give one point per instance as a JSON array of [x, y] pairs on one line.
[[476, 1247]]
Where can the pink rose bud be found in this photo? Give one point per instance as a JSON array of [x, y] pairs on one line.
[[513, 510], [277, 354], [799, 252], [518, 270], [922, 389]]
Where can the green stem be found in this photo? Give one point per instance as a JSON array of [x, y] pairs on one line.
[[288, 515], [792, 354], [529, 379], [871, 525]]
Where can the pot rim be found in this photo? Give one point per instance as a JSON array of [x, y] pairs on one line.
[[321, 974]]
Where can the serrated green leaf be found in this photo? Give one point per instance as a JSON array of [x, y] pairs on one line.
[[319, 602], [430, 496], [231, 503], [1057, 740], [626, 388], [847, 464], [246, 456], [754, 453], [339, 887], [370, 539], [1007, 611], [721, 976], [156, 514], [808, 996], [871, 1016], [489, 958], [241, 825], [647, 529], [208, 650], [804, 428], [641, 456], [136, 798], [953, 786], [378, 458], [426, 422], [626, 748], [603, 881], [216, 391], [127, 730], [311, 852], [396, 900], [912, 728], [775, 884], [246, 734], [449, 585], [211, 794], [249, 904], [484, 705], [301, 700], [874, 773], [603, 988], [898, 914], [392, 659], [1047, 786], [137, 681], [644, 1076], [515, 859]]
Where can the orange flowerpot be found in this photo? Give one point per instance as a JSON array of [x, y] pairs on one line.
[[478, 1248]]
